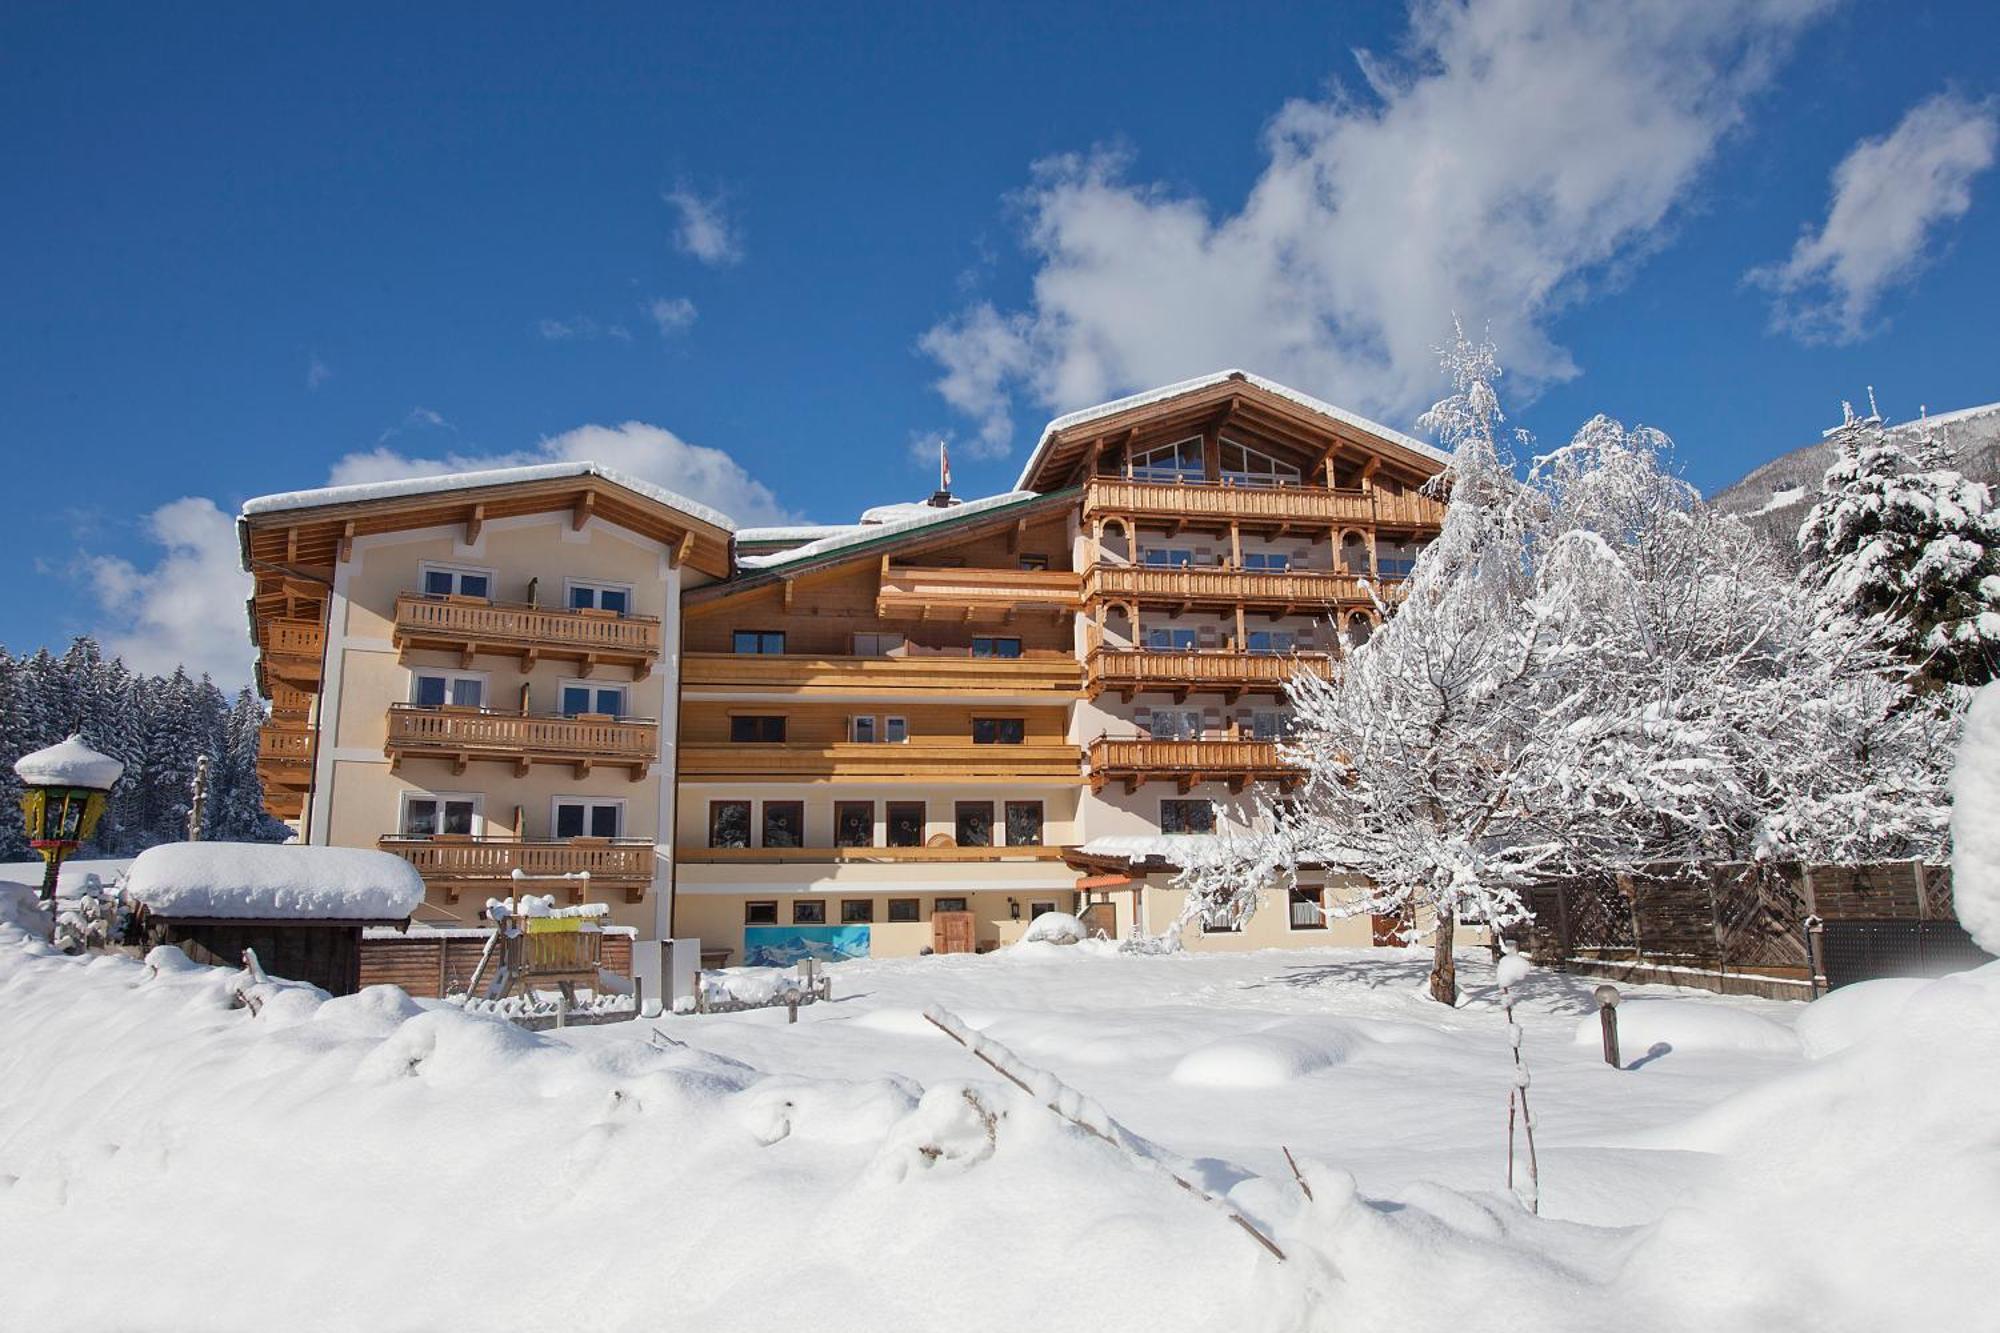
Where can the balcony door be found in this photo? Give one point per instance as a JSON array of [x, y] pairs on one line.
[[427, 815], [578, 817], [435, 689], [582, 697]]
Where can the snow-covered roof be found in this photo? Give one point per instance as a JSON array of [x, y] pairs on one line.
[[1949, 418], [266, 881], [902, 509], [1170, 847], [801, 532], [875, 531], [1150, 396], [499, 476], [70, 763]]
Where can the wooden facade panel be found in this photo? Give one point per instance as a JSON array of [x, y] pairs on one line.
[[707, 722]]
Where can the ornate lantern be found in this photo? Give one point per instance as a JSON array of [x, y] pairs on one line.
[[62, 797]]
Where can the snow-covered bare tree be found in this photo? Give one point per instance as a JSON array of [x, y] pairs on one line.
[[1898, 534]]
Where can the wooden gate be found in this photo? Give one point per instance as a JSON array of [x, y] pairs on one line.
[[1100, 918], [952, 932]]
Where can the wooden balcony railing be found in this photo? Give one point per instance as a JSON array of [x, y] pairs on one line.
[[919, 760], [1186, 763], [1231, 674], [842, 855], [465, 734], [887, 676], [1001, 593], [484, 866], [290, 705], [278, 742], [292, 652], [1259, 506], [470, 626], [1187, 585]]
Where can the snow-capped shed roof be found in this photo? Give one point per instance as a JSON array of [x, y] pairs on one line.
[[69, 763], [502, 476], [1065, 424], [926, 518], [274, 881]]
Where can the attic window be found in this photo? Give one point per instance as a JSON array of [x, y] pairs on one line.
[[1244, 466], [1179, 461]]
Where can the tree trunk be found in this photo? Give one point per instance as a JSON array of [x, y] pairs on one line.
[[1444, 969]]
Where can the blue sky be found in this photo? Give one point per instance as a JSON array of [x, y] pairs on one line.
[[249, 250]]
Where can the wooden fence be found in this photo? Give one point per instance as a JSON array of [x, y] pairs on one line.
[[436, 963], [1765, 927]]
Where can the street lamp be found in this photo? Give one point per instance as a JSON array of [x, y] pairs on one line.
[[62, 798]]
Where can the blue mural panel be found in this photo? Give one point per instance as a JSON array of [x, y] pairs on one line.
[[785, 946]]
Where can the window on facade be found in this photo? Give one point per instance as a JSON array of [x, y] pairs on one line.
[[1024, 824], [1217, 922], [877, 645], [1186, 816], [998, 731], [784, 823], [729, 823], [1359, 628], [808, 912], [1170, 640], [1036, 909], [906, 823], [581, 698], [588, 819], [861, 730], [1179, 461], [948, 905], [613, 597], [760, 914], [975, 823], [984, 646], [429, 816], [1271, 640], [1269, 724], [1033, 561], [1268, 561], [1245, 466], [451, 581], [756, 728], [435, 689], [1167, 557], [758, 641], [854, 823], [856, 911], [1354, 555], [1306, 902], [1176, 724], [895, 730], [904, 909]]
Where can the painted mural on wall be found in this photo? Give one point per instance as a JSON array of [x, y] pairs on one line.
[[784, 946]]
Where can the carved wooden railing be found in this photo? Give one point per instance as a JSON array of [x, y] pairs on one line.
[[1199, 583], [736, 855], [908, 590], [1111, 669], [480, 733], [959, 673], [283, 745], [456, 622], [1220, 757], [293, 638], [936, 760], [490, 863], [1259, 504]]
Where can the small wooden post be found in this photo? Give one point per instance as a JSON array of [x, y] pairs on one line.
[[197, 798], [1607, 1014]]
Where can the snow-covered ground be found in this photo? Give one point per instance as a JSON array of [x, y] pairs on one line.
[[167, 1160]]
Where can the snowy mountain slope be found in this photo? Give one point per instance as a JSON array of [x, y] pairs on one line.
[[1774, 498]]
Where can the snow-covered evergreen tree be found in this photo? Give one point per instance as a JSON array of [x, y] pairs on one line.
[[1897, 534]]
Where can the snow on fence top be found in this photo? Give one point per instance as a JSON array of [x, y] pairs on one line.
[[267, 881], [69, 764], [543, 904]]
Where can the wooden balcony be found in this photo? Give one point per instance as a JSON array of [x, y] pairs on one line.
[[975, 594], [916, 761], [1286, 591], [292, 653], [882, 677], [462, 735], [473, 626], [1230, 674], [290, 706], [484, 867], [853, 855], [284, 803], [1187, 763], [1258, 508]]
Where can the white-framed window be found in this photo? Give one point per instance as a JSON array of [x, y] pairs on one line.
[[1168, 640], [1308, 903], [1181, 814], [1176, 724], [587, 696], [1250, 467], [895, 730], [427, 814], [1179, 461], [441, 580], [432, 688], [586, 817], [861, 730], [587, 595]]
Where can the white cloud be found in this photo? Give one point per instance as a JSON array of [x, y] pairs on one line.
[[1890, 196], [706, 230], [580, 328], [673, 316], [1510, 160], [187, 610], [318, 372], [648, 452]]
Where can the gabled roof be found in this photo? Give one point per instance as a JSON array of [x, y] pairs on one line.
[[1065, 430], [362, 492]]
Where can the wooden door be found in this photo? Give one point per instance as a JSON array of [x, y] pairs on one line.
[[1386, 931], [1101, 917], [952, 932]]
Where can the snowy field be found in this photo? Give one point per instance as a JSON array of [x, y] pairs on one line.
[[170, 1161]]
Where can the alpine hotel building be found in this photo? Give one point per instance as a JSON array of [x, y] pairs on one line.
[[916, 732]]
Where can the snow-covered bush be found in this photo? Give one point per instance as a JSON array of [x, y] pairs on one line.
[[1055, 928], [1975, 821]]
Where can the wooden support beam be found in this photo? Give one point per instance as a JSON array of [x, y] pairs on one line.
[[787, 594], [580, 512], [291, 545], [528, 659], [588, 665], [474, 522], [682, 549], [345, 547]]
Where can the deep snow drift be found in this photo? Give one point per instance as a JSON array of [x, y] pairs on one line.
[[170, 1160]]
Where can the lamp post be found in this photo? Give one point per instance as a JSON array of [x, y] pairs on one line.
[[62, 797]]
